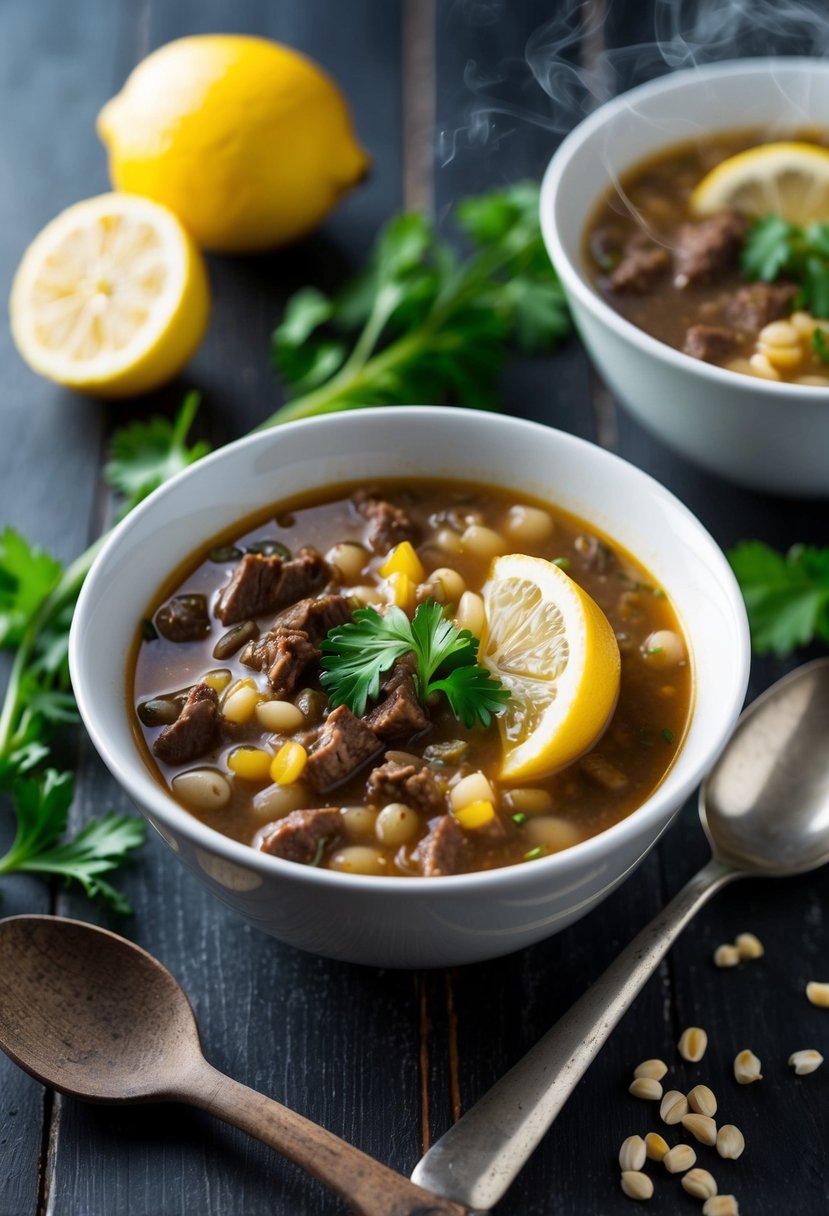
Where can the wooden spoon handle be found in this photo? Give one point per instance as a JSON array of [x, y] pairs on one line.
[[370, 1188]]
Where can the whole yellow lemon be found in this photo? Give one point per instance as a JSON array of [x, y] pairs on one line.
[[247, 141]]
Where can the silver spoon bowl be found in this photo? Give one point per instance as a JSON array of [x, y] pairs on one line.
[[765, 810]]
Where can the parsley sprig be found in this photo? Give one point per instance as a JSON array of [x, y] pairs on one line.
[[357, 654], [777, 249], [37, 599], [786, 594], [424, 322]]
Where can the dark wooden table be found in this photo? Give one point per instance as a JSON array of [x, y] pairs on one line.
[[445, 102]]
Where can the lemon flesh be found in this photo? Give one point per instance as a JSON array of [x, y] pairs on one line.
[[248, 142], [786, 179], [111, 298], [555, 650]]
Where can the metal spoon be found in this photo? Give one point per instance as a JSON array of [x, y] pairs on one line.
[[95, 1016], [765, 810]]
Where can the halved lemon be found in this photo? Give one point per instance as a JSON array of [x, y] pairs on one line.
[[555, 650], [111, 298], [786, 179]]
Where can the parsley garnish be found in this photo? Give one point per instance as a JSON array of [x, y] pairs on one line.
[[820, 345], [776, 248], [519, 817], [37, 599], [423, 323], [145, 454], [535, 853], [356, 655], [667, 734], [786, 595]]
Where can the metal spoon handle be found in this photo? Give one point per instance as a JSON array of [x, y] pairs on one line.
[[370, 1189], [477, 1159]]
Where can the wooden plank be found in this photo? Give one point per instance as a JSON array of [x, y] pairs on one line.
[[50, 439]]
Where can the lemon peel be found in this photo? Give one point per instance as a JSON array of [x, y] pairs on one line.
[[554, 649], [247, 141], [111, 297], [789, 179]]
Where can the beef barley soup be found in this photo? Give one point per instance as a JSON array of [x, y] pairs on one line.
[[235, 670], [685, 278]]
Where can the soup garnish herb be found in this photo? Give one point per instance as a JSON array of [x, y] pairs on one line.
[[786, 594], [356, 654], [775, 249]]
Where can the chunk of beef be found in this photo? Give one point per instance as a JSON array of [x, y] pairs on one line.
[[707, 248], [314, 616], [184, 618], [343, 746], [266, 584], [757, 304], [441, 852], [642, 264], [399, 715], [195, 732], [285, 654], [416, 785], [292, 644], [299, 835], [389, 524], [711, 343]]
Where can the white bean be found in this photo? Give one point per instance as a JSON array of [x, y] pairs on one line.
[[474, 788], [358, 822], [663, 648], [205, 788], [553, 833], [483, 541], [358, 859], [277, 801], [397, 824], [450, 583], [470, 614], [528, 525], [281, 717], [449, 540], [349, 558]]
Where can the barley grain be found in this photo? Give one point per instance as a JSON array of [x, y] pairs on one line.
[[645, 1087], [747, 1067], [702, 1128], [730, 1142], [749, 946], [636, 1185], [805, 1061], [699, 1183], [673, 1106], [679, 1159], [632, 1154], [701, 1100], [692, 1044]]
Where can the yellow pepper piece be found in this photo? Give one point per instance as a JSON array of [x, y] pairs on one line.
[[403, 560], [475, 814], [289, 763], [218, 679], [250, 763], [403, 591]]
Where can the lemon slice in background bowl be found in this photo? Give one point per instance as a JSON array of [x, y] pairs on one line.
[[111, 297], [555, 650], [786, 179]]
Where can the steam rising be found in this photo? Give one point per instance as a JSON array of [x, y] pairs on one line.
[[568, 68]]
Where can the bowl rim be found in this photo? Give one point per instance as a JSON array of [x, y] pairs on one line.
[[154, 800], [567, 265]]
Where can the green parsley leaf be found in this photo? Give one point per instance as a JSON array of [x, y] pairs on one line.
[[820, 345], [145, 454], [786, 595], [42, 809], [27, 576], [356, 655], [775, 249], [422, 323]]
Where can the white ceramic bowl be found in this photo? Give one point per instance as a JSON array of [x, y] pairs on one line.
[[406, 922], [769, 436]]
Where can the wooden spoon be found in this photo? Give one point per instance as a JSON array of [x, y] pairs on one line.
[[93, 1015]]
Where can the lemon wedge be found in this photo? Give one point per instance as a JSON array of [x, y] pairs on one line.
[[111, 298], [786, 179], [555, 650]]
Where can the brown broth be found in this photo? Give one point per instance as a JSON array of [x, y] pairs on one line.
[[654, 198], [636, 750]]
